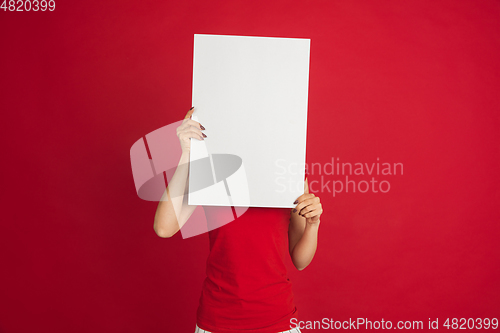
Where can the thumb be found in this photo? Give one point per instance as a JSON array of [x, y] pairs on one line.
[[189, 113]]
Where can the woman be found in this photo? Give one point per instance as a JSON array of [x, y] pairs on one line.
[[246, 288]]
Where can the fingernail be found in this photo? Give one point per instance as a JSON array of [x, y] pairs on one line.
[[294, 210], [296, 201], [204, 135], [191, 108], [202, 127]]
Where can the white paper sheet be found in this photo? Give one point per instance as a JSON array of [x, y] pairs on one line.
[[250, 93]]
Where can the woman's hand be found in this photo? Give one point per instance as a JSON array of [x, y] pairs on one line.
[[309, 206], [189, 129]]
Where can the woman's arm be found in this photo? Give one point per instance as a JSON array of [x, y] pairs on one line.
[[303, 228], [173, 211]]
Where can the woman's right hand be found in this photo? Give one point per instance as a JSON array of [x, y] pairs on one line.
[[189, 129]]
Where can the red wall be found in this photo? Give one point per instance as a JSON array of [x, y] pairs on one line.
[[415, 83]]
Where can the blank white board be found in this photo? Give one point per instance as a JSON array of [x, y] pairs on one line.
[[251, 94]]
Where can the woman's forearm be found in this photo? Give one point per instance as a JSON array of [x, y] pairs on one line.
[[168, 214], [304, 250]]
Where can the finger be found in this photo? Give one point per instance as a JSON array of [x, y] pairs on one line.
[[304, 200], [189, 113], [307, 209], [195, 126], [313, 213], [193, 134], [197, 131], [190, 132], [318, 210], [301, 206], [194, 123], [304, 197]]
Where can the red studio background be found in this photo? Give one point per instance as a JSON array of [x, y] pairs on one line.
[[410, 82]]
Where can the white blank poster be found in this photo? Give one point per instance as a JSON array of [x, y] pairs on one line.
[[250, 93]]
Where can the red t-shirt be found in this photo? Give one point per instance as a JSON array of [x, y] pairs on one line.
[[247, 288]]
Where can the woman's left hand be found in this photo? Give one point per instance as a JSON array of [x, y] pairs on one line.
[[309, 207]]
